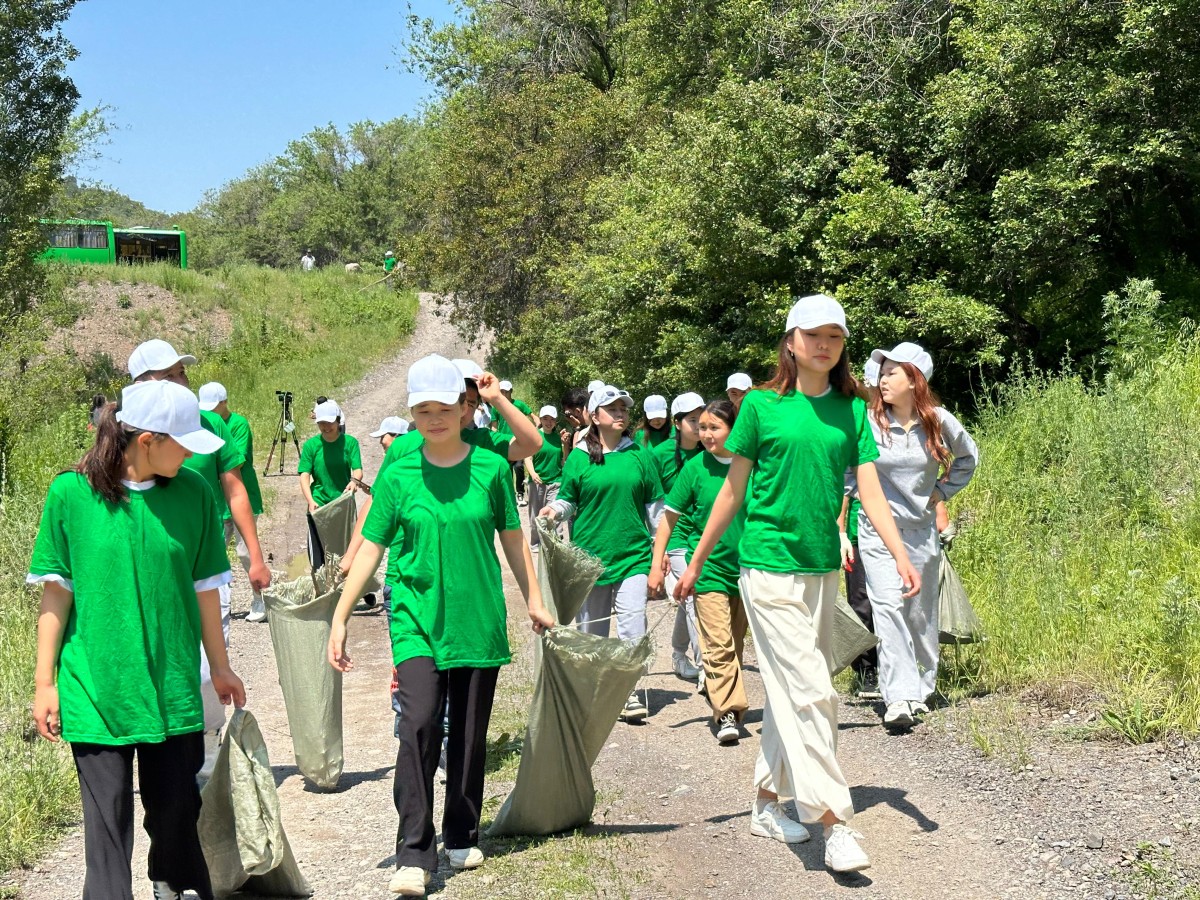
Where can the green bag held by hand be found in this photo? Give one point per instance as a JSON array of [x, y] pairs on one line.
[[957, 621], [299, 615], [240, 827], [581, 685], [851, 638]]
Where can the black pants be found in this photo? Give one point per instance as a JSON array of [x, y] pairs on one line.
[[856, 595], [420, 698], [518, 469], [171, 800]]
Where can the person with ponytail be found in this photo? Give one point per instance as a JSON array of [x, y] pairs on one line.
[[717, 601], [794, 440], [130, 555], [610, 486], [670, 457], [655, 427], [439, 511], [925, 458]]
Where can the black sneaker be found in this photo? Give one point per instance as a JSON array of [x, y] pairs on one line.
[[163, 891], [369, 601], [866, 686]]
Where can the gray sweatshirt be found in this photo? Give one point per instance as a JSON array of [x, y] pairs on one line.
[[909, 474]]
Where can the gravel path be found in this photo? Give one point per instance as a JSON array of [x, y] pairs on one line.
[[1044, 816]]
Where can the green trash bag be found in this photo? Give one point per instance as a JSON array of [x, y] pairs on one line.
[[240, 827], [330, 530], [299, 614], [580, 687], [957, 621], [851, 638]]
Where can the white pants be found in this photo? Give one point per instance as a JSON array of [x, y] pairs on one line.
[[214, 712], [624, 601], [686, 633], [907, 629], [791, 619], [243, 553]]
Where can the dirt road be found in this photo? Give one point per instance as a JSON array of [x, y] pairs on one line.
[[1042, 815]]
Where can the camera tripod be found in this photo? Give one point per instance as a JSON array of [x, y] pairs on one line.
[[284, 431]]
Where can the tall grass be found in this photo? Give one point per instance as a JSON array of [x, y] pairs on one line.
[[310, 333], [1082, 539]]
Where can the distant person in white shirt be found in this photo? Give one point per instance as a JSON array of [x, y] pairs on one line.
[[308, 262]]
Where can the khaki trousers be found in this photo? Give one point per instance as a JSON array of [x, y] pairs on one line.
[[791, 618], [721, 619]]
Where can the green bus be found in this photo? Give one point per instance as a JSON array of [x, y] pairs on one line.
[[93, 241]]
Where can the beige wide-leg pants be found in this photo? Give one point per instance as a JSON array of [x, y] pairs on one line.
[[791, 619]]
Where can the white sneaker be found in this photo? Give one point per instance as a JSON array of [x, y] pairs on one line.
[[409, 881], [701, 684], [767, 819], [258, 610], [163, 891], [842, 852], [635, 709], [899, 714], [727, 729], [684, 668], [920, 709], [467, 858]]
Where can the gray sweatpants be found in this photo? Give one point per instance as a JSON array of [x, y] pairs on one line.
[[686, 632], [624, 601], [243, 552], [539, 496], [907, 629]]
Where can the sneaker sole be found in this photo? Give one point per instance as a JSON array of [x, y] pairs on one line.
[[634, 716], [758, 831], [465, 867], [899, 724], [728, 738], [857, 867]]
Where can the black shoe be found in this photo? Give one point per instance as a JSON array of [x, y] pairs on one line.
[[866, 686], [369, 601]]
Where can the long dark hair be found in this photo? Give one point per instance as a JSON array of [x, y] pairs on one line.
[[644, 425], [104, 463], [925, 404], [724, 409], [784, 379], [595, 446]]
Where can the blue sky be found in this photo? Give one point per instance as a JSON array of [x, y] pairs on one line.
[[200, 92]]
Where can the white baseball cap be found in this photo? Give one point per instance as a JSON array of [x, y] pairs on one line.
[[871, 373], [655, 406], [469, 369], [739, 381], [155, 356], [609, 394], [436, 379], [686, 403], [595, 385], [817, 310], [212, 395], [506, 385], [548, 411], [391, 425], [327, 411], [163, 407], [907, 352]]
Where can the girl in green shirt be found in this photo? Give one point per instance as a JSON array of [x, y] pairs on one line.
[[797, 436], [655, 427], [719, 613], [438, 511], [670, 457], [610, 486], [130, 556]]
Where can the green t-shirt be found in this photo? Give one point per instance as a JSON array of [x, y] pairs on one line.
[[664, 459], [476, 437], [243, 438], [330, 464], [610, 501], [389, 263], [548, 462], [129, 667], [502, 426], [440, 524], [852, 520], [801, 448], [649, 438], [693, 496], [210, 466]]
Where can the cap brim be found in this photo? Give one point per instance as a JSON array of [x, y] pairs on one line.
[[330, 419], [187, 359], [379, 433], [199, 441], [688, 410], [209, 405], [804, 326], [444, 397]]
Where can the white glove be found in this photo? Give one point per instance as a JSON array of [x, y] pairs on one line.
[[847, 548]]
